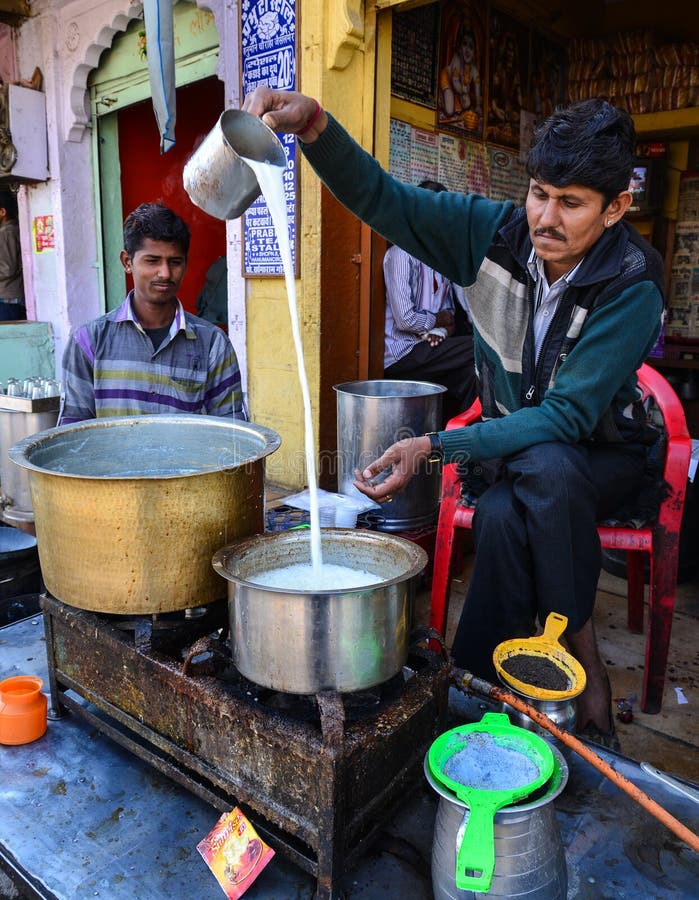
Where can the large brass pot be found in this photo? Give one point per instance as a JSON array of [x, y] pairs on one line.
[[129, 510]]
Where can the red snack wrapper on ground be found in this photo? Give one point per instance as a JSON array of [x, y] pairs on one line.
[[235, 853]]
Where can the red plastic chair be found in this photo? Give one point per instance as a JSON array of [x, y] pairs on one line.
[[660, 540]]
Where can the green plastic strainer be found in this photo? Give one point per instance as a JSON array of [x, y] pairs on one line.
[[502, 763]]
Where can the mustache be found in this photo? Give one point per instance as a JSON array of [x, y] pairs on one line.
[[548, 232]]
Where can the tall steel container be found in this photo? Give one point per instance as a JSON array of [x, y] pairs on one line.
[[372, 415], [529, 856], [129, 510], [19, 418]]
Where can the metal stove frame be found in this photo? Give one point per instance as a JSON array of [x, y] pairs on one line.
[[318, 793]]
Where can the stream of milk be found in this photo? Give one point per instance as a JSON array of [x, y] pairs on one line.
[[320, 577], [271, 181]]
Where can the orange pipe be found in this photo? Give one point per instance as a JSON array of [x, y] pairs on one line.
[[467, 682]]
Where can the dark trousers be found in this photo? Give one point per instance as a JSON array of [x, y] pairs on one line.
[[449, 364], [537, 548], [12, 312]]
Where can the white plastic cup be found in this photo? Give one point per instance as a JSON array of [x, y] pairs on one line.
[[326, 516], [345, 517]]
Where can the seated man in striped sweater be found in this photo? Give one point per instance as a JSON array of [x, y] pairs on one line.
[[149, 356]]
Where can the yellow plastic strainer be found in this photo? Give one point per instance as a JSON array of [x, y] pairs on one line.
[[544, 645]]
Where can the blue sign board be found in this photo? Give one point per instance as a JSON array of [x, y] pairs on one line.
[[268, 54]]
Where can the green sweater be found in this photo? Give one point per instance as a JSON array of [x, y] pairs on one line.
[[584, 383]]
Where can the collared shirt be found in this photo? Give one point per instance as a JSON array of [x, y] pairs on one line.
[[111, 369], [414, 295], [546, 297]]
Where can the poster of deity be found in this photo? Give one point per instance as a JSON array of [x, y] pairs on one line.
[[460, 94], [507, 79], [547, 82]]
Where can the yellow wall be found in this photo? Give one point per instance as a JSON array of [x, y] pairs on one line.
[[335, 64]]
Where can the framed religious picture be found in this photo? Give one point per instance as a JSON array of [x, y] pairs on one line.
[[462, 45], [547, 80], [507, 78]]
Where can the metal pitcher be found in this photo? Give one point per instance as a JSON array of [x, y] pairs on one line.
[[216, 176]]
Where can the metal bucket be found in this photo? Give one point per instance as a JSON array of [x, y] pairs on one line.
[[339, 640], [529, 855], [372, 415], [129, 510], [19, 418], [216, 176]]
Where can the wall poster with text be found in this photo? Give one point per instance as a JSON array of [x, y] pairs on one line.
[[268, 57], [462, 56], [414, 54]]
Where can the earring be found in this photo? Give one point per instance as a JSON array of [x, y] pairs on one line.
[[609, 222]]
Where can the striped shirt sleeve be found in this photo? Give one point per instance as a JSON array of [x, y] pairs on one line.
[[78, 394]]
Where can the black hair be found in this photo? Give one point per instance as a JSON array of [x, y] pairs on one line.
[[436, 186], [8, 201], [157, 222], [589, 143]]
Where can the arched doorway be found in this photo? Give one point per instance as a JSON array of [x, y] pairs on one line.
[[127, 147]]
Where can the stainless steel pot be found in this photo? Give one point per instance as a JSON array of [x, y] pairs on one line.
[[20, 417], [342, 640], [563, 712], [129, 510], [372, 415]]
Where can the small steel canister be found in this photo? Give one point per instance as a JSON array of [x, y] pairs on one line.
[[562, 712], [19, 418]]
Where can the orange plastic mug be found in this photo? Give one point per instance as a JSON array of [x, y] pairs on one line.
[[22, 709]]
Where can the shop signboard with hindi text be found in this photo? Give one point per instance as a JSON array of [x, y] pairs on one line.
[[268, 57]]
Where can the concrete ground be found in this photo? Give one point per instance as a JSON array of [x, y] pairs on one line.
[[668, 740], [613, 848]]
